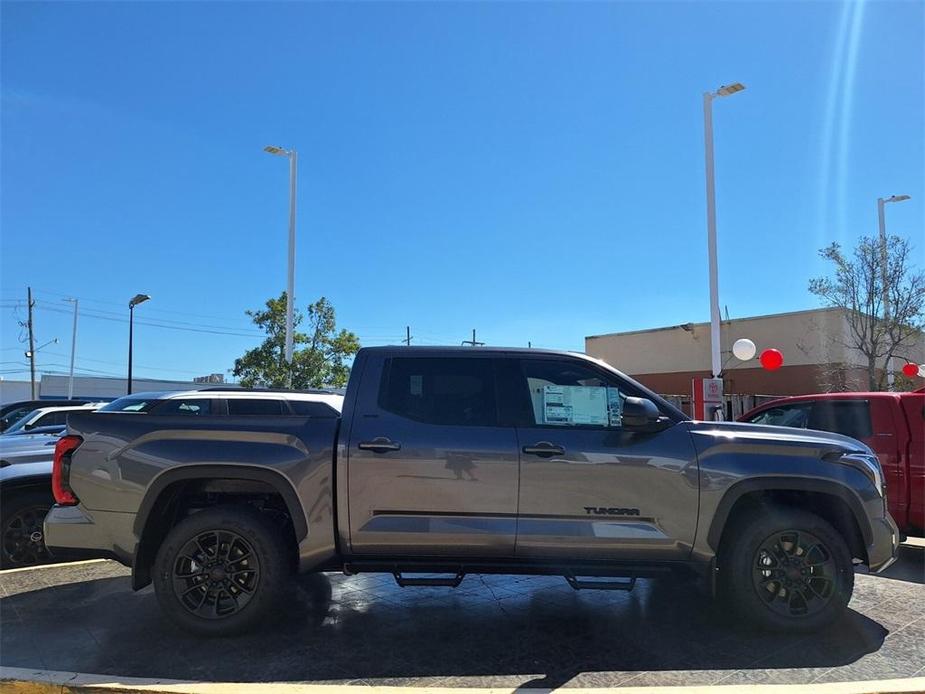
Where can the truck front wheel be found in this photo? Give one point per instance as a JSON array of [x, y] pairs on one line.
[[221, 570], [787, 570]]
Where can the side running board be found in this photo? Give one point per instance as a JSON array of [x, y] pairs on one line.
[[578, 584], [412, 582]]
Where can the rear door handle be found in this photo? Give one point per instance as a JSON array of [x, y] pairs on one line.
[[380, 444], [544, 449]]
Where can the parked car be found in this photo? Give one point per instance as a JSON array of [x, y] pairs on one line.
[[231, 401], [25, 498], [14, 411], [892, 424], [47, 416], [459, 460], [20, 433], [26, 491], [28, 448]]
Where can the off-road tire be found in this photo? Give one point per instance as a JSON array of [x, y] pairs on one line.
[[197, 544], [752, 575]]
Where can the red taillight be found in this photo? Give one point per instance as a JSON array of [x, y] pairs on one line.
[[60, 471]]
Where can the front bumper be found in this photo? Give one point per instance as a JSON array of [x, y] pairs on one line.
[[73, 530], [882, 551]]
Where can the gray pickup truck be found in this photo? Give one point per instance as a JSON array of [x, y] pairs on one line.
[[447, 461]]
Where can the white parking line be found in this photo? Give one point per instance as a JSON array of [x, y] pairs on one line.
[[54, 566], [28, 681]]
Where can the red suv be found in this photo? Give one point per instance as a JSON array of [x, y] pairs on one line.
[[892, 424]]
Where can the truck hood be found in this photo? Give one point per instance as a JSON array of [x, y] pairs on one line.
[[765, 434]]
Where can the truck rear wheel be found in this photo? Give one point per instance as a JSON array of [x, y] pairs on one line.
[[221, 571], [787, 570]]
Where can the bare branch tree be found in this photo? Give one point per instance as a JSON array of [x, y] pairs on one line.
[[857, 286]]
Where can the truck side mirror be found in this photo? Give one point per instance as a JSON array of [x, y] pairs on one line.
[[641, 414]]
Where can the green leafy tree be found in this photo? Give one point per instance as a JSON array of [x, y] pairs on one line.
[[321, 354]]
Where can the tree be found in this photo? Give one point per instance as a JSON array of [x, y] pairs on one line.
[[878, 331], [320, 355]]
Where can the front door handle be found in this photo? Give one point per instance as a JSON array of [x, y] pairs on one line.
[[380, 444], [544, 449]]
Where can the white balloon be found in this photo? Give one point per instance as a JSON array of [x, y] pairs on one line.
[[744, 349]]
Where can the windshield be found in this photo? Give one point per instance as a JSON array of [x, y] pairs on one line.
[[20, 424]]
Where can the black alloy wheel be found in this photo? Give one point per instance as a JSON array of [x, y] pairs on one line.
[[222, 570], [23, 537], [785, 569], [215, 574], [794, 573]]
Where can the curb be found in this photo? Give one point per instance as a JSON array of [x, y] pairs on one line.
[[26, 681]]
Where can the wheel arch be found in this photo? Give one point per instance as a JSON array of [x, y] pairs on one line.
[[835, 502], [162, 494]]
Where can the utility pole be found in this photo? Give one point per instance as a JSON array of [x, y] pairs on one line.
[[70, 381], [407, 339], [31, 341], [473, 342]]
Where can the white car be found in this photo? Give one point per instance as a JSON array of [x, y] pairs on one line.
[[48, 417], [231, 402]]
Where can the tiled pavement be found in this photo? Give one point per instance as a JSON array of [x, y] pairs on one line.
[[491, 631]]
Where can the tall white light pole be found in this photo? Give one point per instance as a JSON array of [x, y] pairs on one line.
[[715, 346], [884, 268], [70, 380], [290, 283]]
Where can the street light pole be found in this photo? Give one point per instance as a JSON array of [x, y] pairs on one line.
[[716, 362], [293, 157], [884, 269], [70, 380], [135, 300]]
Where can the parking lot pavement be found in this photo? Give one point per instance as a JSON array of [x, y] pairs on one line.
[[492, 631]]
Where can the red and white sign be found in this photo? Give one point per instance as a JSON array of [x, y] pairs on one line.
[[707, 395]]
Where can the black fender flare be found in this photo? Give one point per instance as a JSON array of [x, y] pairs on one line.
[[799, 484], [229, 472]]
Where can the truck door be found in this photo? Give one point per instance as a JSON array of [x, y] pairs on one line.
[[430, 469], [588, 488]]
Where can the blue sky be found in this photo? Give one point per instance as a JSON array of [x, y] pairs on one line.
[[534, 171]]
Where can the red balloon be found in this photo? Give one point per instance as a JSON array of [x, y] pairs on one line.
[[771, 359], [911, 370]]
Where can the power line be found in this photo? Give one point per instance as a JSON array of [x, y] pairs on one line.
[[122, 305]]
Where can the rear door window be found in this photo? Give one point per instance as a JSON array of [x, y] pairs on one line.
[[248, 406], [193, 406], [848, 417], [440, 390], [312, 409], [50, 419]]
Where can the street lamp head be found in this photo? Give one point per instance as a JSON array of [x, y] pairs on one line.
[[728, 89], [897, 198], [278, 151], [138, 299]]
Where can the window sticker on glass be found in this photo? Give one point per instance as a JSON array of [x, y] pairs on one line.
[[614, 407], [416, 384], [575, 405]]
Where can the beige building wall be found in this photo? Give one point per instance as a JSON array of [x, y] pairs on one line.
[[666, 359]]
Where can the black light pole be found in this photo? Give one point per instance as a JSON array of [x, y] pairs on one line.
[[137, 299]]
